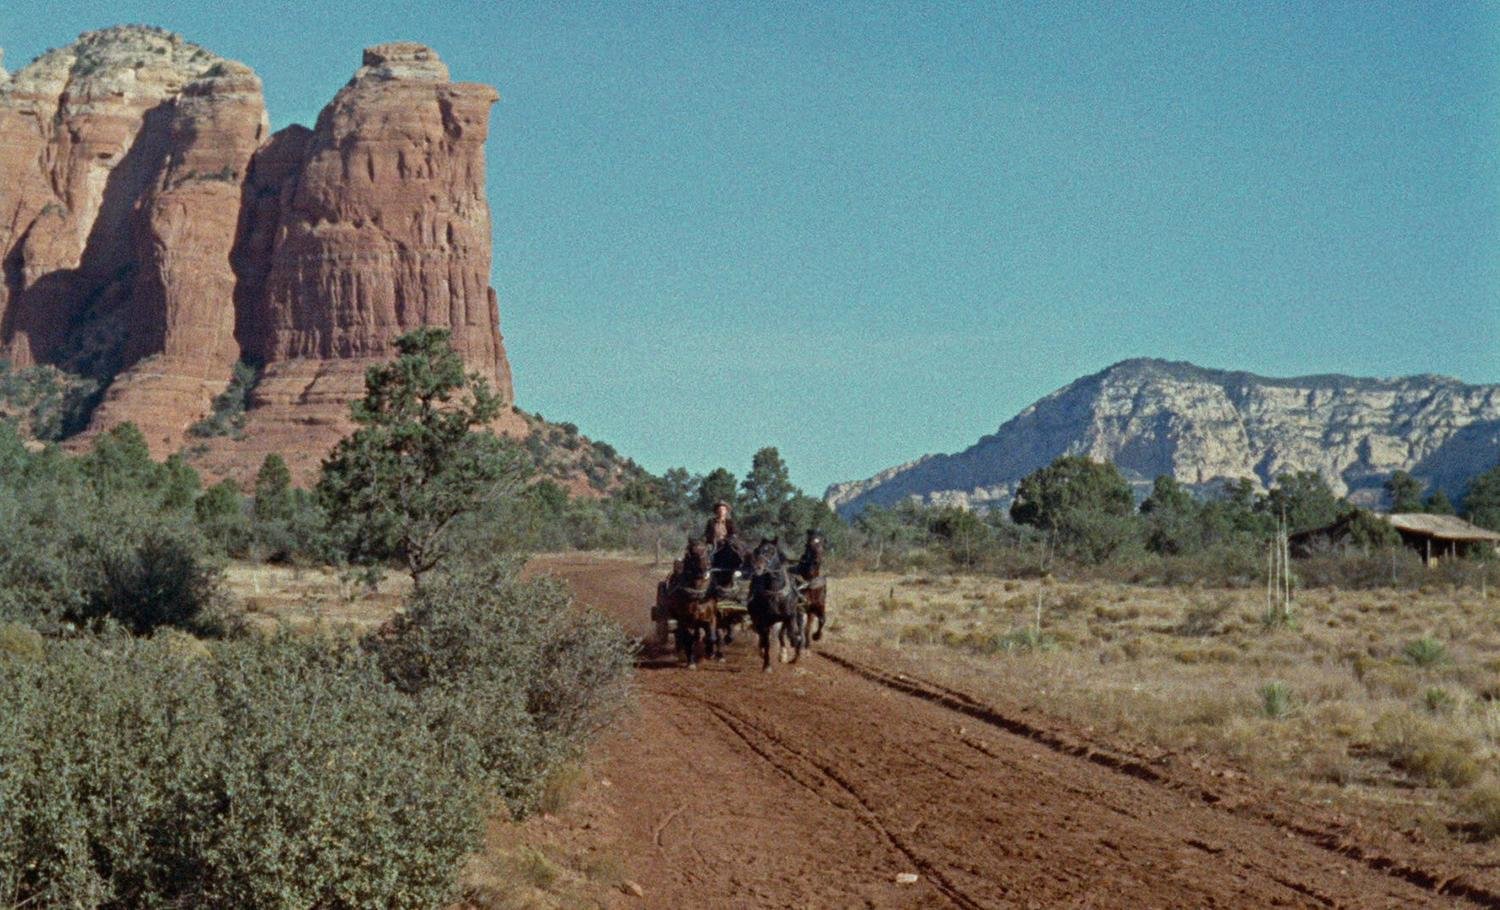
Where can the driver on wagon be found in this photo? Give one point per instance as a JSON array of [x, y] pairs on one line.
[[720, 527]]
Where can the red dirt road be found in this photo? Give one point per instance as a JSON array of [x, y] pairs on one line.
[[816, 786]]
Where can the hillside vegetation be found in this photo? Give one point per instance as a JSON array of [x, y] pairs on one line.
[[159, 750]]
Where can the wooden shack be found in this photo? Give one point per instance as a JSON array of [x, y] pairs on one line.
[[1441, 536], [1435, 537]]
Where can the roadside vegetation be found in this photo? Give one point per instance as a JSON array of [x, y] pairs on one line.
[[159, 749]]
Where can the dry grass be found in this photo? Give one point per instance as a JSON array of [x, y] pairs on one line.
[[529, 867], [305, 599], [1387, 696]]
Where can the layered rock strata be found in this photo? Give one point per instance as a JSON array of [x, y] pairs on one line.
[[153, 232]]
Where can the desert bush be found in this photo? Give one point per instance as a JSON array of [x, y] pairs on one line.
[[1438, 700], [228, 414], [1201, 618], [1483, 809], [1426, 750], [511, 676], [153, 578], [274, 773], [1425, 652], [72, 557], [20, 642], [1275, 700]]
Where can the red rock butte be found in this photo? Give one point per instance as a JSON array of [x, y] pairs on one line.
[[154, 231]]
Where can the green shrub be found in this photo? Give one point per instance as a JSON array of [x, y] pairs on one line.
[[159, 579], [1201, 618], [273, 774], [20, 642], [512, 677], [1275, 700], [1425, 652], [228, 414], [1438, 700], [84, 554]]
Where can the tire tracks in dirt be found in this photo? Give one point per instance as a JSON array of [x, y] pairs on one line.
[[1438, 883], [744, 727]]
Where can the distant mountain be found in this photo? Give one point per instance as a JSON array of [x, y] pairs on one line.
[[1202, 426]]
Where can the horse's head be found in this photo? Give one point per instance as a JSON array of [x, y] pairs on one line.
[[766, 557], [695, 560], [815, 544]]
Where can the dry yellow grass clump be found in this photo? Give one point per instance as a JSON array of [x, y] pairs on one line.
[[1389, 696], [308, 598]]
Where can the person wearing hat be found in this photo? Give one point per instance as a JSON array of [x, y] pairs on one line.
[[720, 527]]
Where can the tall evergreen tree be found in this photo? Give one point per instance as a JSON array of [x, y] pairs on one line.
[[766, 490], [1437, 504], [418, 460], [273, 490], [1404, 492], [1482, 499], [717, 486], [1304, 499]]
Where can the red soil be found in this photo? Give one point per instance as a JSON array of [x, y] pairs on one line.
[[818, 785]]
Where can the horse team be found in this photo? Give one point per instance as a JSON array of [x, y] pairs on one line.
[[785, 598]]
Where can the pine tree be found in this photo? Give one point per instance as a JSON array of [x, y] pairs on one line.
[[418, 461]]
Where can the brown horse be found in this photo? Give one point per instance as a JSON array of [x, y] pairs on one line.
[[690, 600], [814, 587]]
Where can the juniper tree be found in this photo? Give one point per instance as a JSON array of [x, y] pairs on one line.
[[419, 459]]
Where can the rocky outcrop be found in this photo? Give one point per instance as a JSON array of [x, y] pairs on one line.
[[85, 131], [179, 325], [385, 226], [1151, 417], [153, 232]]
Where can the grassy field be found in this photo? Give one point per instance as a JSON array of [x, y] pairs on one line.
[[1387, 698]]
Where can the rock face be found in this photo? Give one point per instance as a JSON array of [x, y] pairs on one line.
[[1201, 426], [153, 232]]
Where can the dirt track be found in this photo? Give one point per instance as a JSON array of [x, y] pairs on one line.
[[817, 786]]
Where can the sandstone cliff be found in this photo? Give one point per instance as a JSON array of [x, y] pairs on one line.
[[1203, 426], [153, 232]]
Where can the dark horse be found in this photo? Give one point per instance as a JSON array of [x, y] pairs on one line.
[[690, 600], [729, 563], [773, 602], [809, 572]]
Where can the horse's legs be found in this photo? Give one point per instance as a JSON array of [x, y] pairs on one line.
[[764, 631], [713, 624], [781, 634], [799, 633]]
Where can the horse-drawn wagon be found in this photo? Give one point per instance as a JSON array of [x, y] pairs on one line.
[[725, 583], [707, 596]]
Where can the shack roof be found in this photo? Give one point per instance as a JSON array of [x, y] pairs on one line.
[[1440, 527]]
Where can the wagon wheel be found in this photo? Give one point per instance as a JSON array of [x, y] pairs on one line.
[[662, 622]]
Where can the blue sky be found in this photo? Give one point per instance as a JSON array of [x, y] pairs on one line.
[[864, 232]]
